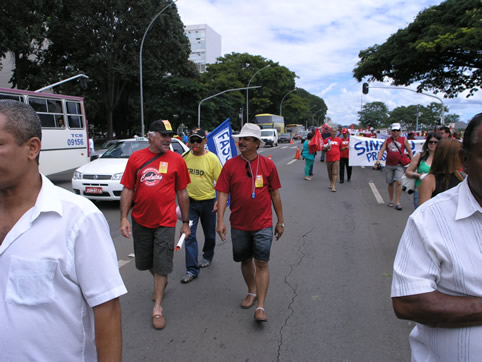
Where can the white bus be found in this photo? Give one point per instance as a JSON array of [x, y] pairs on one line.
[[65, 142]]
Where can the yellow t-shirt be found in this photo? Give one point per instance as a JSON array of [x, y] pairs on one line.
[[204, 171]]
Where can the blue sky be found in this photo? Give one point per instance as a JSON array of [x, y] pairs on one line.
[[320, 42]]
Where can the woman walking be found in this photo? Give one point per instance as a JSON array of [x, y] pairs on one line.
[[309, 157]]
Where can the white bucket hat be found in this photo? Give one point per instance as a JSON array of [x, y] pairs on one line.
[[250, 130]]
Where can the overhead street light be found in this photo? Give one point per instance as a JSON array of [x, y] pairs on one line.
[[247, 88], [411, 90], [83, 82], [217, 94], [140, 62], [281, 104]]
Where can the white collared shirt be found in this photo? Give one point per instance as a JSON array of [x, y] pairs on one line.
[[56, 263], [441, 250]]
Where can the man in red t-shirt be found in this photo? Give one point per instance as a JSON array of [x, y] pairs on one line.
[[152, 179], [395, 145], [344, 156], [332, 148], [253, 183]]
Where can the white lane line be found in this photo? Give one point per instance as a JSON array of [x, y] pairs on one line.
[[121, 263], [377, 195], [284, 147], [289, 163]]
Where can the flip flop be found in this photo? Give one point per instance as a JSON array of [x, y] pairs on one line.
[[391, 204], [398, 207], [158, 321]]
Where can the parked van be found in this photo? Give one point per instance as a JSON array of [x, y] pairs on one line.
[[270, 136]]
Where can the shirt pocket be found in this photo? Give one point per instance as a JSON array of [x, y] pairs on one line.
[[30, 281]]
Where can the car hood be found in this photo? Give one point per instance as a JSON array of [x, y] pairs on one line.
[[104, 166]]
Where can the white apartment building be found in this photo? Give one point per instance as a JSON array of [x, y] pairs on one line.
[[205, 45]]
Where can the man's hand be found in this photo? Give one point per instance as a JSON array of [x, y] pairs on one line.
[[278, 231], [221, 229], [125, 228], [215, 208], [186, 229]]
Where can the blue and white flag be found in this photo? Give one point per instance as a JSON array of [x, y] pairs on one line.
[[221, 142]]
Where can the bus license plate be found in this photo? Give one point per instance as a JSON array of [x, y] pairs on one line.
[[93, 190]]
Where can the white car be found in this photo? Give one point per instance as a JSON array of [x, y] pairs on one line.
[[100, 179]]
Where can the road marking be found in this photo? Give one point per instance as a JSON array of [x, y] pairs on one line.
[[284, 147], [377, 195], [289, 163], [121, 263]]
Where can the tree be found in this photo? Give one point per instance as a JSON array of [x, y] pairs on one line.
[[235, 71], [440, 49], [23, 29], [374, 114]]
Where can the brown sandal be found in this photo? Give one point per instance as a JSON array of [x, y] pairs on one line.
[[158, 321]]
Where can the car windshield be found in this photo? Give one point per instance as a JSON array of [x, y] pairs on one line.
[[285, 135], [266, 133], [124, 149], [107, 144]]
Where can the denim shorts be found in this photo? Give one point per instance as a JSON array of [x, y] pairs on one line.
[[251, 244], [394, 173], [154, 248]]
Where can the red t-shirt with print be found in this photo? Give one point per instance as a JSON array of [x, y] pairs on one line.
[[344, 143], [155, 187], [248, 213], [334, 153]]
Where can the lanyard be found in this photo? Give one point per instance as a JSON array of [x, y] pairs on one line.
[[253, 178]]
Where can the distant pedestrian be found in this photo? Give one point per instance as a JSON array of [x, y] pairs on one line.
[[331, 146], [445, 132], [59, 278], [437, 279], [252, 182], [395, 145], [325, 134], [204, 168], [153, 177], [344, 156], [309, 157]]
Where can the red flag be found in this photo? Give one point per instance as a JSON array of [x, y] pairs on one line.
[[315, 143]]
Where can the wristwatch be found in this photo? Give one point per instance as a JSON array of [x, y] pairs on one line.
[[185, 221], [282, 225]]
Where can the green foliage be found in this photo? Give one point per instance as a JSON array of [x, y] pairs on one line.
[[374, 114], [440, 49], [235, 70]]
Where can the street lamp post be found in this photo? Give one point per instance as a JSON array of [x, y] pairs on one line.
[[313, 116], [217, 94], [247, 104], [140, 62], [281, 104]]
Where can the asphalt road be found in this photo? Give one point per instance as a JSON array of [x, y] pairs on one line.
[[329, 294]]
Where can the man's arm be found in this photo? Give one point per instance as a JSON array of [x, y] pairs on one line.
[[125, 206], [222, 202], [183, 201], [108, 331], [440, 310], [380, 153], [278, 209]]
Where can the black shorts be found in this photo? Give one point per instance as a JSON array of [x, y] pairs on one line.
[[154, 248]]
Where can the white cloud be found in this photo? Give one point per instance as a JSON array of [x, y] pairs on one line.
[[320, 42]]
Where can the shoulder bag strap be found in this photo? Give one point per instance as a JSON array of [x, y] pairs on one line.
[[148, 162]]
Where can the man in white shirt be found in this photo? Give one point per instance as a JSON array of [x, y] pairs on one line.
[[437, 279], [59, 279]]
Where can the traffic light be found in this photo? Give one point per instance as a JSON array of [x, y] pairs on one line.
[[365, 88]]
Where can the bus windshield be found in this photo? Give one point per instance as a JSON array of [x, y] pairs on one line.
[[267, 120]]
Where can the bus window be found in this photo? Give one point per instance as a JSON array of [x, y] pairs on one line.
[[12, 97], [48, 110], [47, 120], [74, 115]]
